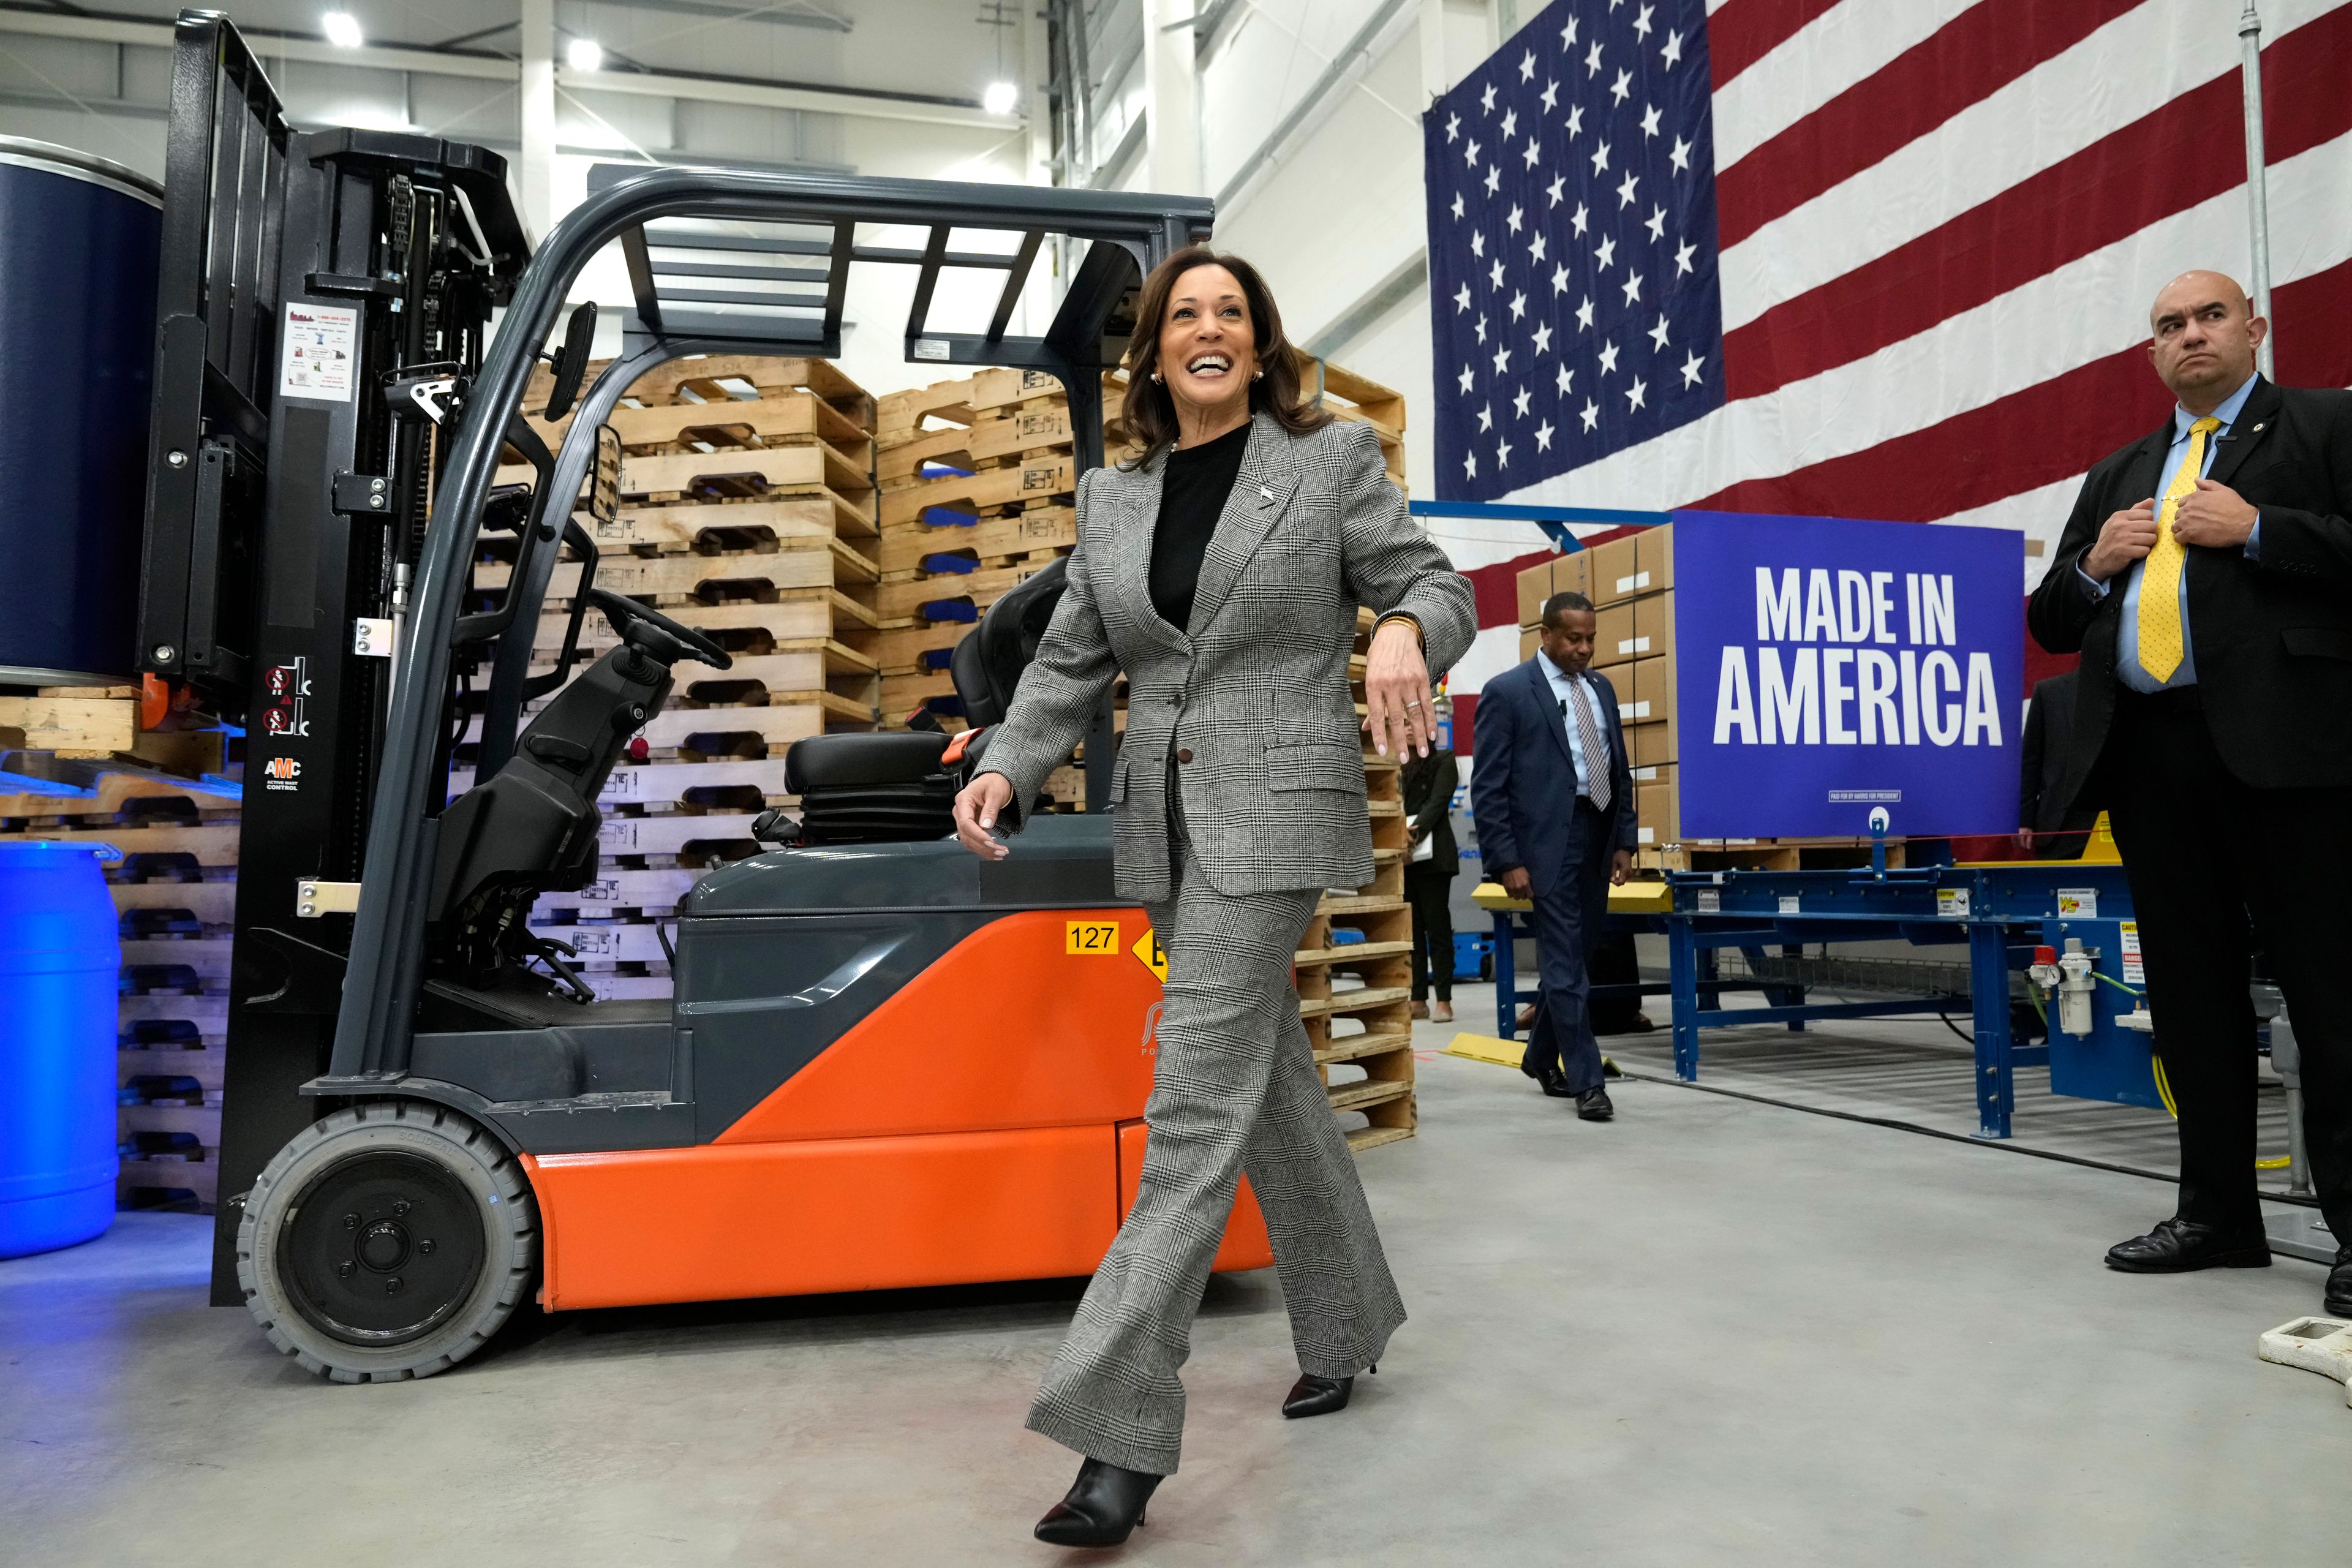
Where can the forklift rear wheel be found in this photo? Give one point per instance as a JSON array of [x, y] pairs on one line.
[[388, 1241]]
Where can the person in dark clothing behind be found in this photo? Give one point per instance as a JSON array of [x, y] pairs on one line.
[[2048, 827], [1428, 785]]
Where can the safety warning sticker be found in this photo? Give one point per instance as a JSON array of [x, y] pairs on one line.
[[2135, 972], [320, 356], [1154, 956], [1091, 939], [1952, 903], [2078, 903]]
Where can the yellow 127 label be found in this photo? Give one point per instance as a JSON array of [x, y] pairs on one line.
[[1090, 939]]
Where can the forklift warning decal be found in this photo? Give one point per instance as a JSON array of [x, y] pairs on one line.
[[320, 352], [287, 691], [1091, 939], [1155, 957]]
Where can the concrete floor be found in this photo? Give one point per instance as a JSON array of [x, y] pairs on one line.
[[1712, 1332]]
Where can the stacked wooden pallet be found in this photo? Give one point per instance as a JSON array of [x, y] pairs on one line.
[[90, 776], [1354, 967], [978, 479], [748, 511]]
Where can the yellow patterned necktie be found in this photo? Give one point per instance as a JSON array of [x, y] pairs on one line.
[[2160, 648]]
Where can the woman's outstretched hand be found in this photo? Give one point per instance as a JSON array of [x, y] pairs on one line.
[[1396, 693], [977, 806]]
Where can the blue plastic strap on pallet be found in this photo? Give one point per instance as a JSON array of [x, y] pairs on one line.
[[943, 471], [962, 610], [950, 565], [936, 658], [947, 517]]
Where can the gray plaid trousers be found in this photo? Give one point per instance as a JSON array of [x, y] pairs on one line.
[[1235, 1089]]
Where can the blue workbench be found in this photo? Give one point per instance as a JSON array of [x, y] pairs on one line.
[[1999, 912]]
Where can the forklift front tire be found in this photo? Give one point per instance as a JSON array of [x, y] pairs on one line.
[[387, 1241]]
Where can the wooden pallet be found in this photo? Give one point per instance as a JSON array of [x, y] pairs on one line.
[[1003, 440], [1354, 969], [905, 547], [898, 605], [1764, 855], [74, 721], [172, 1003], [799, 562], [709, 527], [1048, 480], [714, 378], [900, 416]]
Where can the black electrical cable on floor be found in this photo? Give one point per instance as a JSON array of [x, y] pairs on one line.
[[1890, 1122]]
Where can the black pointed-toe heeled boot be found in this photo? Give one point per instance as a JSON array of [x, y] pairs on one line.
[[1104, 1506], [1313, 1395]]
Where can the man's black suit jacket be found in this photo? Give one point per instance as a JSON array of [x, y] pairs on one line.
[[2043, 752], [2273, 639]]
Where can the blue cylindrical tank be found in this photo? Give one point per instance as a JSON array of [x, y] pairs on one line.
[[79, 238], [59, 956]]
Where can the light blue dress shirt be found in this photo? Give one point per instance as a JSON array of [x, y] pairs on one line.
[[2128, 666], [1560, 683]]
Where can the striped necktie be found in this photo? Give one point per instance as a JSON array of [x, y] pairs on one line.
[[1588, 733], [2161, 646]]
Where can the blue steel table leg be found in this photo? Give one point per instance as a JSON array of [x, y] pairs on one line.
[[1988, 991], [1506, 976], [1682, 967], [1796, 994]]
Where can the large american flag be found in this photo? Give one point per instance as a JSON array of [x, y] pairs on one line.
[[1895, 256]]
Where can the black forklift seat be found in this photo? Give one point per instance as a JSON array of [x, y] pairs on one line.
[[987, 664], [871, 788]]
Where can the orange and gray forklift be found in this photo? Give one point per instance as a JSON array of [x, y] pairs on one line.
[[887, 1062]]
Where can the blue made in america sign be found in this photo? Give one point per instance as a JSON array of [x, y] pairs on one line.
[[1831, 669]]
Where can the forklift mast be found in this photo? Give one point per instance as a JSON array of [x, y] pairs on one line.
[[309, 286], [304, 505]]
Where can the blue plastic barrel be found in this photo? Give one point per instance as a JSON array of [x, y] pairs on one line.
[[59, 960]]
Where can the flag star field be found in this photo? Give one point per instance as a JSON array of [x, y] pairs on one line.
[[1575, 307]]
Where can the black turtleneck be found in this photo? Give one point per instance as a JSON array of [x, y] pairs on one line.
[[1192, 497]]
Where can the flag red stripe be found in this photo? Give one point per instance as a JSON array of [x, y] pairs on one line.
[[1742, 32], [1974, 55], [1465, 723], [2041, 435], [2162, 164]]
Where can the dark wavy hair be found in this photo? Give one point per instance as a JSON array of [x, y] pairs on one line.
[[1150, 411]]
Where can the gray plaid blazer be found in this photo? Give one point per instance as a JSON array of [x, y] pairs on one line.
[[1256, 688]]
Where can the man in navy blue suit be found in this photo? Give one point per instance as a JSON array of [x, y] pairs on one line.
[[1553, 795]]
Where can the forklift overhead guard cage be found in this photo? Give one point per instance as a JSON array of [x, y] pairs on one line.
[[1129, 234]]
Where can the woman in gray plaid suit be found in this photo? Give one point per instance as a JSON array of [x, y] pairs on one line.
[[1220, 567]]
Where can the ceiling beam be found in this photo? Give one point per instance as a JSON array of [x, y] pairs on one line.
[[769, 95], [485, 66]]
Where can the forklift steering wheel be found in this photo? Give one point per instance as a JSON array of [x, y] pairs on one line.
[[651, 632]]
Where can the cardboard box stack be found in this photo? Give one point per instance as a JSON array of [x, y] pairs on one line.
[[1630, 582]]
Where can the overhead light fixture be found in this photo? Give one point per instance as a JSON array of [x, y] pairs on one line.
[[1000, 98], [584, 55], [342, 29]]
